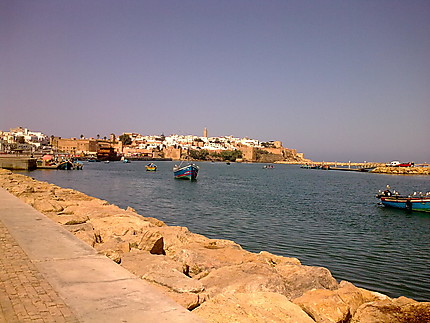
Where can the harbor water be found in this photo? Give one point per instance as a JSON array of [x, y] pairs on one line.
[[324, 218]]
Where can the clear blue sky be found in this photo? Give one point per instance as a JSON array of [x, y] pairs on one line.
[[338, 80]]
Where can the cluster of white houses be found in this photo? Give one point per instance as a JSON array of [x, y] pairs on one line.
[[137, 145], [22, 139]]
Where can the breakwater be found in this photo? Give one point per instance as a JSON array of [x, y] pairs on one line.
[[402, 170], [215, 278]]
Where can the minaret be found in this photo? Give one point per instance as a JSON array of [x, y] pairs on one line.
[[205, 133]]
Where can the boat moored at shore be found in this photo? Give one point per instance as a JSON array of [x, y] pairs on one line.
[[64, 164]]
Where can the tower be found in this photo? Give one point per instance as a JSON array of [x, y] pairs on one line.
[[205, 133]]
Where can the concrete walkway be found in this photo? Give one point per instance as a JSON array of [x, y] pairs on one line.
[[49, 275]]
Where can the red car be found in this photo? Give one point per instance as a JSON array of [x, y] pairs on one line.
[[406, 164]]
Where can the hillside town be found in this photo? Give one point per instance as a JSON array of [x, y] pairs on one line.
[[137, 146]]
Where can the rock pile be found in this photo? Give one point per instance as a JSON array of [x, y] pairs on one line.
[[402, 170], [214, 278]]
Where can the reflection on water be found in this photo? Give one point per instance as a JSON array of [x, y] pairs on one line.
[[324, 218]]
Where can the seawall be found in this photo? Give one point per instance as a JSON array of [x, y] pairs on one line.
[[17, 163], [215, 279]]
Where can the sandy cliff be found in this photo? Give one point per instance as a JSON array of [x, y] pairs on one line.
[[215, 278]]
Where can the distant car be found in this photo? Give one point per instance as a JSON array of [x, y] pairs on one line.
[[393, 163], [396, 163], [406, 164]]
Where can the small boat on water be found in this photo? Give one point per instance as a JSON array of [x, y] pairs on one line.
[[49, 162], [151, 167], [189, 172], [414, 202], [124, 160], [307, 166], [69, 165]]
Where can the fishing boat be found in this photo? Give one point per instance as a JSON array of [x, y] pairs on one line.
[[66, 165], [151, 167], [414, 202], [186, 172]]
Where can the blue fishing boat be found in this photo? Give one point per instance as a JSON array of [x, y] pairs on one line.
[[189, 172], [415, 202]]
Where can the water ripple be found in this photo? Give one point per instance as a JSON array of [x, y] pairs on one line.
[[327, 219]]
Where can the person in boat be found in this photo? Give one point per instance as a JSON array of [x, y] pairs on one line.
[[387, 192]]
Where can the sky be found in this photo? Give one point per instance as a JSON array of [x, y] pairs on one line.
[[338, 80]]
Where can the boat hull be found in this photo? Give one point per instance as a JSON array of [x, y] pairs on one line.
[[67, 165], [407, 203], [188, 172], [151, 169]]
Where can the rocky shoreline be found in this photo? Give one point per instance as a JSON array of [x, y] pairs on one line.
[[402, 170], [216, 279]]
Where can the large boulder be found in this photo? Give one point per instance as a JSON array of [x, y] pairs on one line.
[[161, 270], [152, 241], [243, 278], [167, 275], [300, 278], [202, 255], [47, 205], [201, 260], [83, 231], [253, 307], [401, 310], [119, 226], [338, 305], [286, 279]]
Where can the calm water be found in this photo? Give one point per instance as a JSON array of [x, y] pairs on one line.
[[324, 218]]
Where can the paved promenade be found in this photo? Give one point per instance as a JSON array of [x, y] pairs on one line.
[[48, 275]]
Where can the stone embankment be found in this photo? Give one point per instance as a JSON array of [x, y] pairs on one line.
[[402, 170], [216, 279]]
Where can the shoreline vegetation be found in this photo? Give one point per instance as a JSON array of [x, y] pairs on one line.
[[216, 279]]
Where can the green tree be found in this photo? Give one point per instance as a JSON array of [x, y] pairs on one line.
[[199, 154], [125, 139], [230, 155]]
